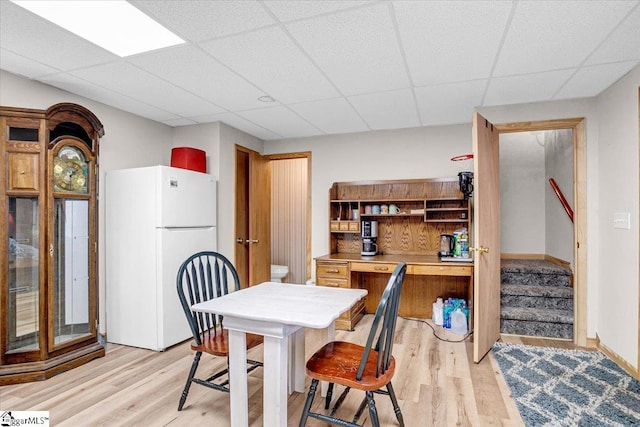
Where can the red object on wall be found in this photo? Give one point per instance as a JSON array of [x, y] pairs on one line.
[[189, 158]]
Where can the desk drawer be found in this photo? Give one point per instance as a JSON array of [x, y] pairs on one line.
[[332, 282], [331, 269], [373, 267], [442, 270]]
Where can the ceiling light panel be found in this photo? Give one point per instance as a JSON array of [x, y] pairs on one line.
[[115, 25], [208, 19]]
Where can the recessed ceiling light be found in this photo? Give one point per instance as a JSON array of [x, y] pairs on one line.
[[266, 98], [115, 25]]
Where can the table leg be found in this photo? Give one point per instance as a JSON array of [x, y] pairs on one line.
[[275, 381], [238, 378], [297, 367]]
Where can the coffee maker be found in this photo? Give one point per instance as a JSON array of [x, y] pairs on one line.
[[369, 236]]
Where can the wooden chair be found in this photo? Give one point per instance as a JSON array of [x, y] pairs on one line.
[[203, 276], [369, 368]]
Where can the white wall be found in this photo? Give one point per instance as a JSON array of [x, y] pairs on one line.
[[618, 278], [399, 154], [522, 202]]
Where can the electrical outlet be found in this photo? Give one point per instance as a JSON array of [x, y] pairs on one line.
[[622, 220]]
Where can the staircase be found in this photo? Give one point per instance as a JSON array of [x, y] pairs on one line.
[[536, 299]]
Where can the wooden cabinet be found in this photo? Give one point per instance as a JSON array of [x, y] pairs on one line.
[[411, 216], [48, 259], [337, 274], [425, 208]]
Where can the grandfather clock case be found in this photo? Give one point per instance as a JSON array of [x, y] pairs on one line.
[[49, 248]]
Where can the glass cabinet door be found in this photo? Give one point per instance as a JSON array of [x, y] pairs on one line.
[[70, 248], [23, 293]]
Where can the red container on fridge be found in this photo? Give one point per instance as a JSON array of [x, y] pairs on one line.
[[189, 158]]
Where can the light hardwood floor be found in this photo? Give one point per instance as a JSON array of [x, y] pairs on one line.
[[436, 382]]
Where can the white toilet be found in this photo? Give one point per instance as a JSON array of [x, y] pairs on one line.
[[278, 272]]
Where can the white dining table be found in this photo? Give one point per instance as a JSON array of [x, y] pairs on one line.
[[279, 312]]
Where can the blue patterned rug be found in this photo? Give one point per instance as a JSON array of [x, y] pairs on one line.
[[554, 387]]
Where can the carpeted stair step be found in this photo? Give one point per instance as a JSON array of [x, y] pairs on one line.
[[534, 272], [542, 297], [536, 322]]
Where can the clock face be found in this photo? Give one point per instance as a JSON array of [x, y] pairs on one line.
[[69, 175]]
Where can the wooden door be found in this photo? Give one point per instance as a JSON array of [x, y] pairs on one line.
[[486, 229], [253, 217], [259, 219]]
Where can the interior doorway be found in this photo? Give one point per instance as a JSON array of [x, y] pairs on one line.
[[576, 126], [291, 215]]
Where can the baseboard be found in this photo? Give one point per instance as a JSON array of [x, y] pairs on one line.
[[617, 359]]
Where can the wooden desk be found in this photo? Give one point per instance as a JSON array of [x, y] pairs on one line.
[[279, 312], [427, 279]]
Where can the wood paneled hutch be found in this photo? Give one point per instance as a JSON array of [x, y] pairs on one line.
[[427, 208], [49, 249]]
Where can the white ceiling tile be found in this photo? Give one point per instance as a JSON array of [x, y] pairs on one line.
[[179, 122], [42, 41], [387, 110], [590, 81], [447, 41], [526, 88], [240, 123], [138, 84], [449, 103], [331, 115], [270, 60], [358, 50], [291, 10], [195, 71], [622, 45], [206, 19], [281, 121], [17, 64], [76, 85], [551, 35]]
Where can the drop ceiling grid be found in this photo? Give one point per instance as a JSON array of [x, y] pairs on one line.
[[127, 79], [204, 20], [525, 88], [545, 36], [449, 103], [357, 49], [189, 68], [73, 84], [280, 120], [441, 40], [590, 81], [270, 60], [331, 115], [387, 110], [36, 43], [240, 123], [623, 44]]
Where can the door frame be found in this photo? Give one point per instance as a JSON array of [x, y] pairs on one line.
[[577, 126]]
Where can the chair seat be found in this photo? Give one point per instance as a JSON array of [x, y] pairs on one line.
[[338, 361], [218, 344]]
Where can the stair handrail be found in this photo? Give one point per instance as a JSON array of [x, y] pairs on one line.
[[561, 197]]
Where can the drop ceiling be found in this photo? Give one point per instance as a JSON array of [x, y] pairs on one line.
[[337, 66]]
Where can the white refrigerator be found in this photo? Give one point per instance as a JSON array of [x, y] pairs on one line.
[[155, 218]]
